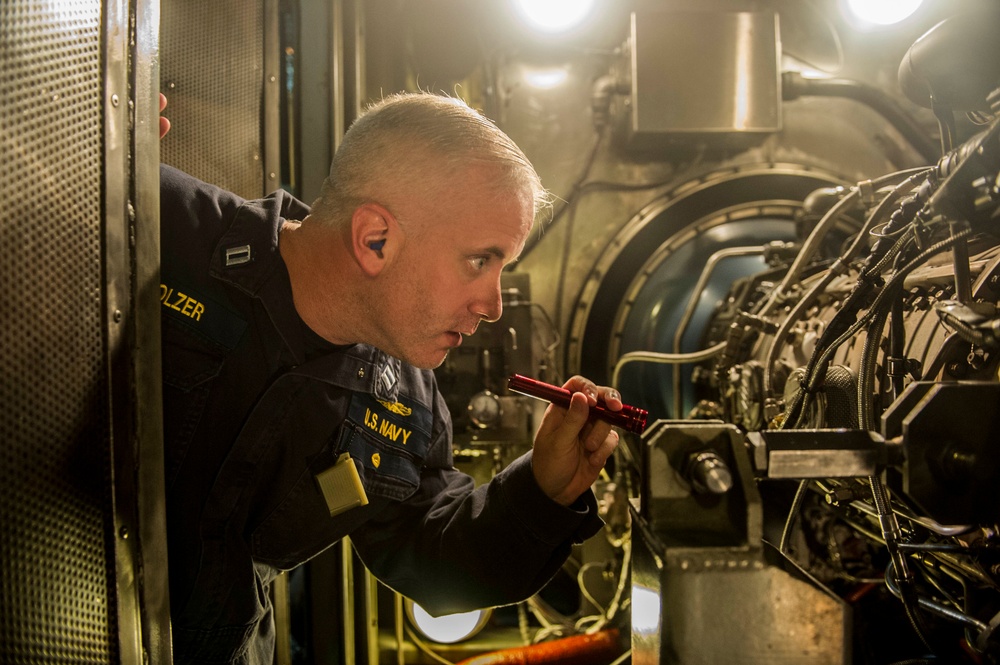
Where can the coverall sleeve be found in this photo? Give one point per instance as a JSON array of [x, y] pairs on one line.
[[453, 547]]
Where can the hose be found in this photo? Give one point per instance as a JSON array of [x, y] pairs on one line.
[[934, 607], [786, 533], [596, 649], [825, 351], [828, 222], [897, 561], [840, 266]]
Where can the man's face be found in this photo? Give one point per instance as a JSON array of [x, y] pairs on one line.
[[446, 278]]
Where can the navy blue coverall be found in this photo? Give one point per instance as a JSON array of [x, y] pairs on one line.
[[256, 406]]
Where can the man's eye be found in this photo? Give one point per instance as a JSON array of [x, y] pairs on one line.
[[479, 262]]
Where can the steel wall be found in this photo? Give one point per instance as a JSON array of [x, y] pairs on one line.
[[81, 545]]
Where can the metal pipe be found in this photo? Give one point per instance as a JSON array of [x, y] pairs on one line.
[[692, 305], [960, 263], [794, 85], [664, 358], [347, 606], [934, 607], [337, 89], [926, 522], [398, 612]]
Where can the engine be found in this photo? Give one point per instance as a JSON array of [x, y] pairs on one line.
[[832, 496]]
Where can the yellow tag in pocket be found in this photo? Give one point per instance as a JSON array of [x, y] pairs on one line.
[[341, 486]]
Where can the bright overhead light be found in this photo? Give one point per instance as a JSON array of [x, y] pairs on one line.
[[545, 78], [554, 15], [882, 12], [450, 628]]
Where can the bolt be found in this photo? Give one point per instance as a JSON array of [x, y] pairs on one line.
[[834, 497]]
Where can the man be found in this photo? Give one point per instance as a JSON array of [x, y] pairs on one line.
[[299, 402]]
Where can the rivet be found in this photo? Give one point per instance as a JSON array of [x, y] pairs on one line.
[[114, 100], [361, 372], [117, 316], [123, 532]]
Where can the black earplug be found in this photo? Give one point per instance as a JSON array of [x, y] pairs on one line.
[[377, 246]]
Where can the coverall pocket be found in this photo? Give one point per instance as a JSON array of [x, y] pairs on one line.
[[300, 526], [187, 379], [386, 470]]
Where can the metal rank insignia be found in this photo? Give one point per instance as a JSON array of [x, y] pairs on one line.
[[341, 486]]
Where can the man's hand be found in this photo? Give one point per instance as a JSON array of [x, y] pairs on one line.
[[570, 451], [164, 123]]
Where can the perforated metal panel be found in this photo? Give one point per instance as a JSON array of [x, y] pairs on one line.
[[212, 71], [56, 575]]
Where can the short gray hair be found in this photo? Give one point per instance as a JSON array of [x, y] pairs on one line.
[[405, 140]]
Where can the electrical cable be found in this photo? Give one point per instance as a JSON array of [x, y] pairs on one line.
[[892, 289], [583, 585], [569, 208], [800, 494], [616, 601], [839, 266], [824, 352], [827, 223], [932, 606]]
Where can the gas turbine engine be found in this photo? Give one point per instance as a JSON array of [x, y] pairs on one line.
[[849, 427]]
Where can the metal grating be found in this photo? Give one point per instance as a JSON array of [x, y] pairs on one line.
[[212, 71], [56, 571]]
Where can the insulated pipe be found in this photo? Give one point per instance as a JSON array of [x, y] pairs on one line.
[[597, 649], [794, 85]]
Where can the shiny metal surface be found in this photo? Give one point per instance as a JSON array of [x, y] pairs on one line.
[[57, 586], [154, 593], [83, 542], [746, 613], [703, 591], [698, 72], [118, 321], [214, 73]]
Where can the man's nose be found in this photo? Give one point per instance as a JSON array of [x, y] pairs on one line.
[[490, 306]]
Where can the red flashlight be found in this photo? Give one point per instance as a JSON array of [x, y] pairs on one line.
[[630, 418]]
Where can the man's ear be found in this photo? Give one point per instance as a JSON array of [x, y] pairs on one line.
[[371, 228]]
